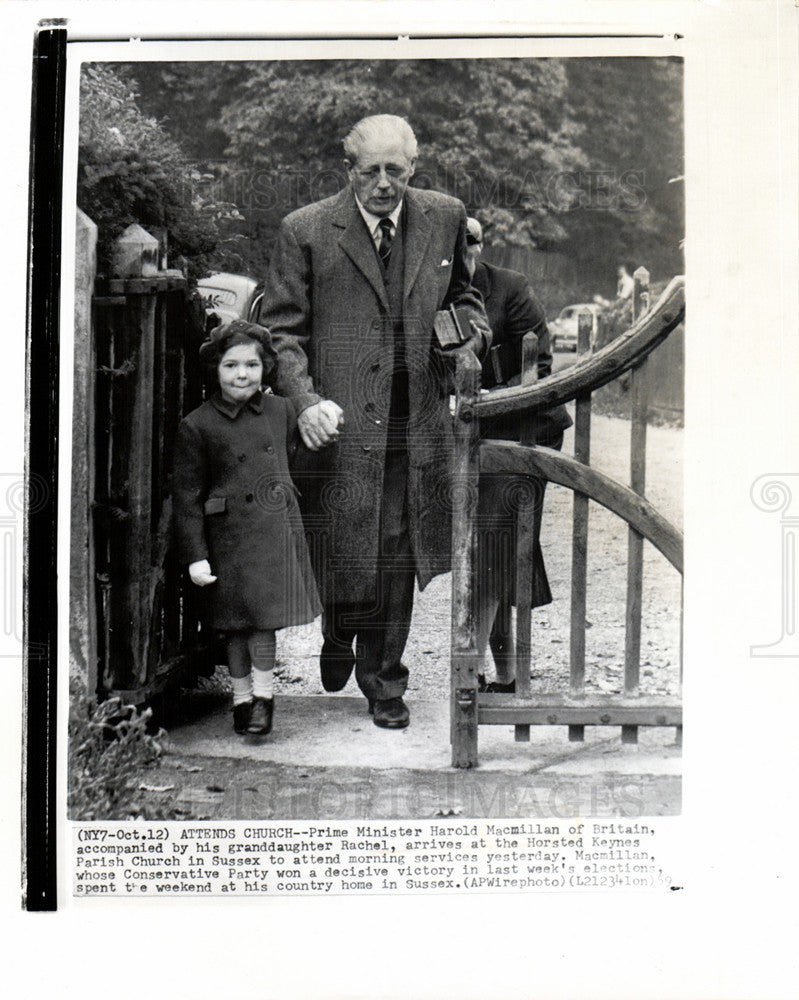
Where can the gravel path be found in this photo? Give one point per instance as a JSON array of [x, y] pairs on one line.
[[427, 653]]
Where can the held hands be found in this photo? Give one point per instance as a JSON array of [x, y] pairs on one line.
[[200, 573], [319, 424]]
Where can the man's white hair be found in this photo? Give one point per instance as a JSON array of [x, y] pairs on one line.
[[379, 127]]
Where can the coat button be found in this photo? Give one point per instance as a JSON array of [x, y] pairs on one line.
[[375, 367], [249, 498], [366, 447], [368, 407], [242, 458], [269, 449]]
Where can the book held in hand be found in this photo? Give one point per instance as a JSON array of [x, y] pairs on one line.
[[452, 327]]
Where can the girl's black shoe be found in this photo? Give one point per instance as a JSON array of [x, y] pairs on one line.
[[241, 716], [261, 716]]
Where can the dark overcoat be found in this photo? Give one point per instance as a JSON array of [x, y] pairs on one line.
[[327, 308], [513, 310], [234, 504]]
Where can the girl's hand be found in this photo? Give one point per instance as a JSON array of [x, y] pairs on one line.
[[200, 573]]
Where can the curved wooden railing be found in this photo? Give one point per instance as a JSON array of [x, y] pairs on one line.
[[603, 366], [593, 369], [533, 460]]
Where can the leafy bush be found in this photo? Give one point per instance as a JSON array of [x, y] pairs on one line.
[[131, 170], [108, 748]]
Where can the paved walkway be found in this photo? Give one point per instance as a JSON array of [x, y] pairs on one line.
[[326, 759]]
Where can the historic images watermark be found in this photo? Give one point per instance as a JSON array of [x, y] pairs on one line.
[[265, 190], [775, 492], [15, 497]]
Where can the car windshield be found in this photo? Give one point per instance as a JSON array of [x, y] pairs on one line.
[[219, 296]]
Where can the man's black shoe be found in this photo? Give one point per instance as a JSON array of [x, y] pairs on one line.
[[497, 687], [241, 716], [390, 714], [335, 665], [261, 716]]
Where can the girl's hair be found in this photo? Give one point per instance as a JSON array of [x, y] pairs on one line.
[[232, 334]]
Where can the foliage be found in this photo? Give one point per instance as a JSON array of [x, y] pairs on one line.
[[131, 170], [614, 319], [572, 157], [631, 112], [108, 749], [491, 133], [187, 99]]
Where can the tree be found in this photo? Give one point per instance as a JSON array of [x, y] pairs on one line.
[[567, 157], [491, 132], [131, 170], [631, 117]]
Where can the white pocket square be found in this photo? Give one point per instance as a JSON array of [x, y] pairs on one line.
[[445, 262]]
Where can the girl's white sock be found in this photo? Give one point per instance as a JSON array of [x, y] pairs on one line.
[[262, 683], [242, 689]]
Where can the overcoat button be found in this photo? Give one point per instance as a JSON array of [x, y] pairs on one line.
[[270, 449], [375, 367], [249, 498], [242, 458], [366, 447], [368, 407]]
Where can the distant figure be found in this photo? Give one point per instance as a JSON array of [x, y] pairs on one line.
[[625, 286], [512, 310]]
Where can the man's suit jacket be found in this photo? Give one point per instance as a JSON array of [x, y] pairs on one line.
[[326, 305], [512, 311]]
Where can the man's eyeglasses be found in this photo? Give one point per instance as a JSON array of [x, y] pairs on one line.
[[472, 241]]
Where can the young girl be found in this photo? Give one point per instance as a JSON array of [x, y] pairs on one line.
[[236, 519]]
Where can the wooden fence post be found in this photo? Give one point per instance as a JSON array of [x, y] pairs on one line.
[[136, 256], [579, 576], [635, 542], [463, 685]]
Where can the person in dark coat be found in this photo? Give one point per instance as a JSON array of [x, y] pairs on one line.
[[236, 520], [512, 310], [353, 287]]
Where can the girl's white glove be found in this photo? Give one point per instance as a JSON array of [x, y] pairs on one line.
[[200, 573]]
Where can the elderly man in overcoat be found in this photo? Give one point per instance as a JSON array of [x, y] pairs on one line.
[[353, 287]]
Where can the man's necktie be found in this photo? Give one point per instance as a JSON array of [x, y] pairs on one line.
[[384, 250]]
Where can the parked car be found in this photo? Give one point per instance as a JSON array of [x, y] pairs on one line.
[[563, 330], [230, 296]]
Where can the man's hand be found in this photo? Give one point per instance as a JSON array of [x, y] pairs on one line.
[[319, 424], [200, 573], [481, 337]]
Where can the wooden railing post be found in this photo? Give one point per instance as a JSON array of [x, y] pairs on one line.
[[579, 587], [525, 543], [465, 473], [635, 543], [595, 369]]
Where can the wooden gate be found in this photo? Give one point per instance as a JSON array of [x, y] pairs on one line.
[[149, 634], [578, 708]]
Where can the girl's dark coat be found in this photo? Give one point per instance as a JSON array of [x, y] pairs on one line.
[[235, 505]]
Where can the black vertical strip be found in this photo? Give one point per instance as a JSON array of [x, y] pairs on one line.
[[44, 259]]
